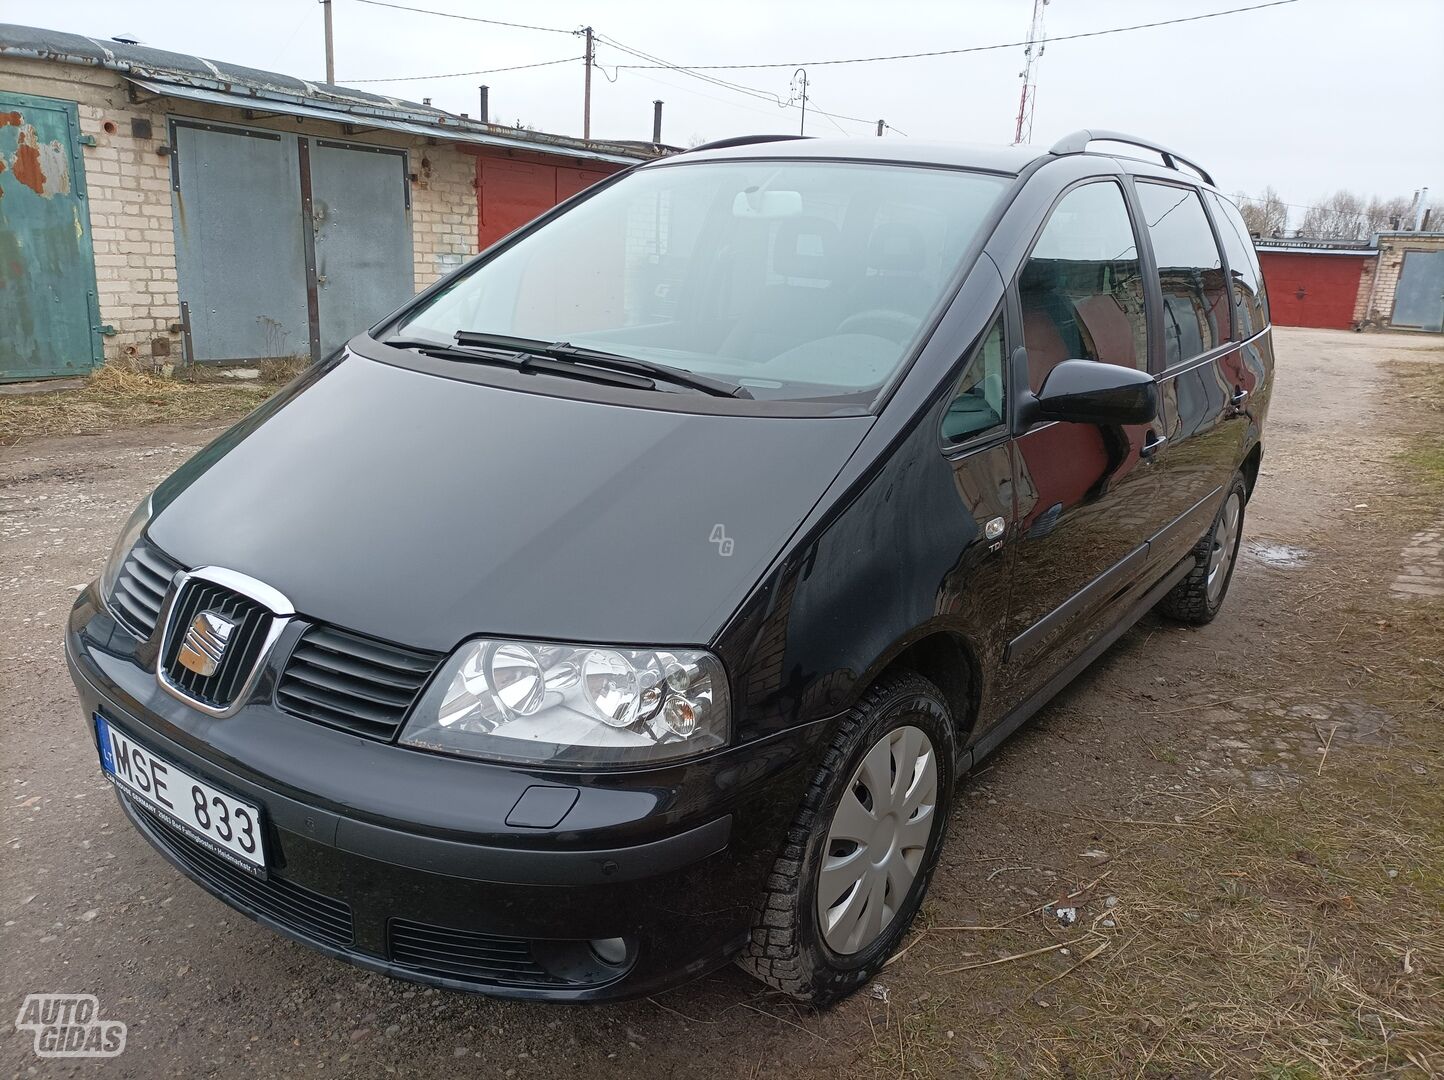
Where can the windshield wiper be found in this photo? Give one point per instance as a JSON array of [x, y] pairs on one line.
[[522, 360], [575, 356], [453, 352]]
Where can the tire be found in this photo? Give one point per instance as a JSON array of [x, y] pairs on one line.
[[791, 950], [1198, 597]]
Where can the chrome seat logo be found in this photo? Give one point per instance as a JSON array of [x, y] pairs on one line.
[[205, 643]]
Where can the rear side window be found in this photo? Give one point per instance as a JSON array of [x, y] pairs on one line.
[[1249, 305], [1190, 270], [1081, 291], [977, 404]]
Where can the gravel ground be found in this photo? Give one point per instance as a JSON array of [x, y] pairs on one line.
[[1233, 710]]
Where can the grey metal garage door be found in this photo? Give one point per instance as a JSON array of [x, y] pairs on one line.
[[240, 255], [1419, 296], [362, 228], [285, 246]]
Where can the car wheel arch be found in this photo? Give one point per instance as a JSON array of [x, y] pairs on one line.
[[947, 659], [1252, 462]]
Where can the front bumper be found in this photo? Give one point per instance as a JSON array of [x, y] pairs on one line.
[[403, 862]]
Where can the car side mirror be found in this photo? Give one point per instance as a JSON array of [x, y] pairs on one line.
[[1089, 392]]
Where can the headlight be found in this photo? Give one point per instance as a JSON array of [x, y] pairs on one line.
[[556, 704], [139, 519]]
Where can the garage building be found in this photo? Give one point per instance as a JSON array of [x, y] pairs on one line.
[[1394, 281], [162, 208]]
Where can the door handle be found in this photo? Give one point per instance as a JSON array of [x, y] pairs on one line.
[[1239, 397], [1152, 444]]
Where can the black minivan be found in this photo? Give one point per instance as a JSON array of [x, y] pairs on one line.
[[632, 600]]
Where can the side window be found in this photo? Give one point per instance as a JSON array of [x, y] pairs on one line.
[[1190, 271], [978, 401], [1081, 290], [1250, 307]]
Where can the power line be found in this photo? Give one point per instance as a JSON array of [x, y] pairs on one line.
[[458, 74], [468, 18], [752, 91], [971, 49], [652, 61]]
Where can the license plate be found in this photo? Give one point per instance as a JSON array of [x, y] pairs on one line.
[[221, 822]]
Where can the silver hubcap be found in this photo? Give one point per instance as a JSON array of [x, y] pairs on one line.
[[1225, 540], [877, 840]]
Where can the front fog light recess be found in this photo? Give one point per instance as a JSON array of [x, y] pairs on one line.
[[545, 702]]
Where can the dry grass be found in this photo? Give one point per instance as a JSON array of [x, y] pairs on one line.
[[1422, 459], [118, 397], [1291, 936]]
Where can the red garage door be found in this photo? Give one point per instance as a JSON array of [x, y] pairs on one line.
[[511, 193], [1312, 289]]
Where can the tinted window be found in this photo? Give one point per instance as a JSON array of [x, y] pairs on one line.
[[798, 279], [977, 404], [1195, 311], [1081, 291], [1250, 312]]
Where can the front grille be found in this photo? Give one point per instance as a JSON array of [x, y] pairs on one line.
[[292, 906], [141, 586], [464, 954], [354, 683], [242, 649]]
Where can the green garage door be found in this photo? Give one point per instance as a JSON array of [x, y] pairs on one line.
[[49, 320]]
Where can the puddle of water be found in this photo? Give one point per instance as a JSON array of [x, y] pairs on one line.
[[1283, 556]]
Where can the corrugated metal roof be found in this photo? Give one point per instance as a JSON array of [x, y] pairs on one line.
[[1308, 245], [195, 78]]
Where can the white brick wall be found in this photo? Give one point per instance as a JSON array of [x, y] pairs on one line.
[[129, 192]]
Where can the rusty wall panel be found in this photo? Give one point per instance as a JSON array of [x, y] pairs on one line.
[[509, 194], [570, 181], [49, 319]]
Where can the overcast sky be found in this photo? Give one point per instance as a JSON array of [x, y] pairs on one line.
[[1309, 97]]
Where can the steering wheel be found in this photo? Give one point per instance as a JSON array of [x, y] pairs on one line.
[[896, 326]]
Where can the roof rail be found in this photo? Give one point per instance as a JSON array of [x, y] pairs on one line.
[[1077, 143], [744, 140]]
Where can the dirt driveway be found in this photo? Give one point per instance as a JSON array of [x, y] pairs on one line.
[[1246, 818]]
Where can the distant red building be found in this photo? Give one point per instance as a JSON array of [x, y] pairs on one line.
[[1315, 282]]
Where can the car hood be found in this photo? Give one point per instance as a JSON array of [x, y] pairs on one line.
[[423, 510]]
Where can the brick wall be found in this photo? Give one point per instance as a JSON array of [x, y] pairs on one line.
[[1366, 285], [129, 192], [1392, 247]]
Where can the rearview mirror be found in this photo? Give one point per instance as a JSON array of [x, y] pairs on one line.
[[1089, 392], [755, 203]]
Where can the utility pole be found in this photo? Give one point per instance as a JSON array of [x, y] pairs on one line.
[[1033, 51], [802, 128], [657, 122], [587, 91], [881, 125], [330, 44]]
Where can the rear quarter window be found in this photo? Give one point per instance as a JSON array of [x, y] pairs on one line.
[[1190, 271], [1249, 303]]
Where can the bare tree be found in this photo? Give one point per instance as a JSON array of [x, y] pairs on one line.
[[1344, 215], [1265, 215], [1384, 214], [1340, 216]]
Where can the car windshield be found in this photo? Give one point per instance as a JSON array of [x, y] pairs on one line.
[[798, 280]]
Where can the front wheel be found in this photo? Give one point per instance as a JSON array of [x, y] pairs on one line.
[[1199, 596], [860, 854]]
